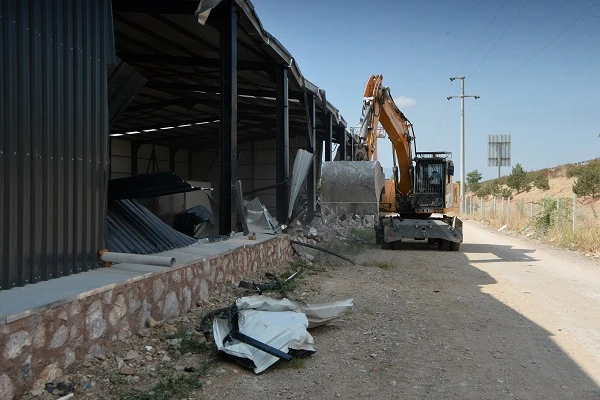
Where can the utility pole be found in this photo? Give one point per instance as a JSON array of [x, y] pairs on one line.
[[462, 138]]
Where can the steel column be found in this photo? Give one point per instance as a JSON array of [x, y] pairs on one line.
[[172, 154], [342, 138], [228, 124], [135, 147], [328, 135], [282, 143], [311, 178]]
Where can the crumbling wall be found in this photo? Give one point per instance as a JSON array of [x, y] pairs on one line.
[[38, 346]]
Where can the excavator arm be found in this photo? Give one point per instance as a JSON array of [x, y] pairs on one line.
[[414, 203], [379, 108]]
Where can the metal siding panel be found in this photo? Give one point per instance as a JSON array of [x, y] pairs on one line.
[[5, 38], [53, 150], [44, 202], [94, 141], [25, 224], [77, 231], [86, 244], [37, 262], [108, 54], [58, 241], [3, 186]]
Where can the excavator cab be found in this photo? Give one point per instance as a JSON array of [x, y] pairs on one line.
[[432, 177]]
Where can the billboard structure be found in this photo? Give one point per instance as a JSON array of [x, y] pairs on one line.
[[499, 151]]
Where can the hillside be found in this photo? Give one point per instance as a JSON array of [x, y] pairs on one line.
[[561, 186]]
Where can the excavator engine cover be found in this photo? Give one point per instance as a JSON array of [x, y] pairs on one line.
[[352, 187]]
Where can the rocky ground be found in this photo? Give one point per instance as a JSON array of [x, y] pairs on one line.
[[425, 325]]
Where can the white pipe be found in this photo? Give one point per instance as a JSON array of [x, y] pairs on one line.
[[111, 257]]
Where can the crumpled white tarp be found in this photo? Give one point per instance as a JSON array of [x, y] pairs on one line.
[[282, 330], [317, 313], [281, 324]]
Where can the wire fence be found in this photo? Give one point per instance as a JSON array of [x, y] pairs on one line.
[[574, 210]]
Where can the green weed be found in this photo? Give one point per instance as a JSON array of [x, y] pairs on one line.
[[171, 387], [190, 343]]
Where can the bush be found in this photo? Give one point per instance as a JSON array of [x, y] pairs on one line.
[[550, 214], [573, 170], [578, 169], [540, 180], [506, 192], [588, 183], [490, 188]]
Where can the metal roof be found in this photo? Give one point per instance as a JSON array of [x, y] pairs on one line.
[[179, 58], [132, 228]]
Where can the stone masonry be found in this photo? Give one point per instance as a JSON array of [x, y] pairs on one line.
[[43, 346]]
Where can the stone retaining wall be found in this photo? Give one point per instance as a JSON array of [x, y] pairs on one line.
[[42, 346]]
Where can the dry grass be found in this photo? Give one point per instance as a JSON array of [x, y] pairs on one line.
[[585, 237]]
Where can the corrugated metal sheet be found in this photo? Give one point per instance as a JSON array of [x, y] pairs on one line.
[[132, 228], [53, 146]]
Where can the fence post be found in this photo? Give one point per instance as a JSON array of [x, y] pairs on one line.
[[531, 204], [557, 209], [502, 215], [482, 208], [508, 207], [574, 210], [522, 212]]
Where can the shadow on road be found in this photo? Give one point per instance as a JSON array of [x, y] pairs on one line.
[[503, 253], [458, 342]]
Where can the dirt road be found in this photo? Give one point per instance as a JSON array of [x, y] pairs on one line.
[[504, 318]]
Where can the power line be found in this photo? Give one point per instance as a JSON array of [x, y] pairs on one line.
[[500, 38], [546, 45], [439, 124], [482, 36]]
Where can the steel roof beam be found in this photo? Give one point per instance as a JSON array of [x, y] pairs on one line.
[[155, 6], [158, 85], [193, 61]]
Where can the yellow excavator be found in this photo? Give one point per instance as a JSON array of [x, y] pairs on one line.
[[415, 202]]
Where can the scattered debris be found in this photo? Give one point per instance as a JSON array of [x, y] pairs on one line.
[[62, 388], [259, 330], [261, 287], [323, 249], [257, 214]]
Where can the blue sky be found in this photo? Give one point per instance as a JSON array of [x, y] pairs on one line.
[[535, 65]]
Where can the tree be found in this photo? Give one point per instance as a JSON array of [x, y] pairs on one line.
[[490, 188], [588, 183], [517, 179], [540, 181], [473, 179]]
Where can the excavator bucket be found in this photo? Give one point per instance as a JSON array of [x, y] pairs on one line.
[[352, 187]]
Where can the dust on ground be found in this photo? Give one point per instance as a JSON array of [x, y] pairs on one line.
[[421, 328]]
